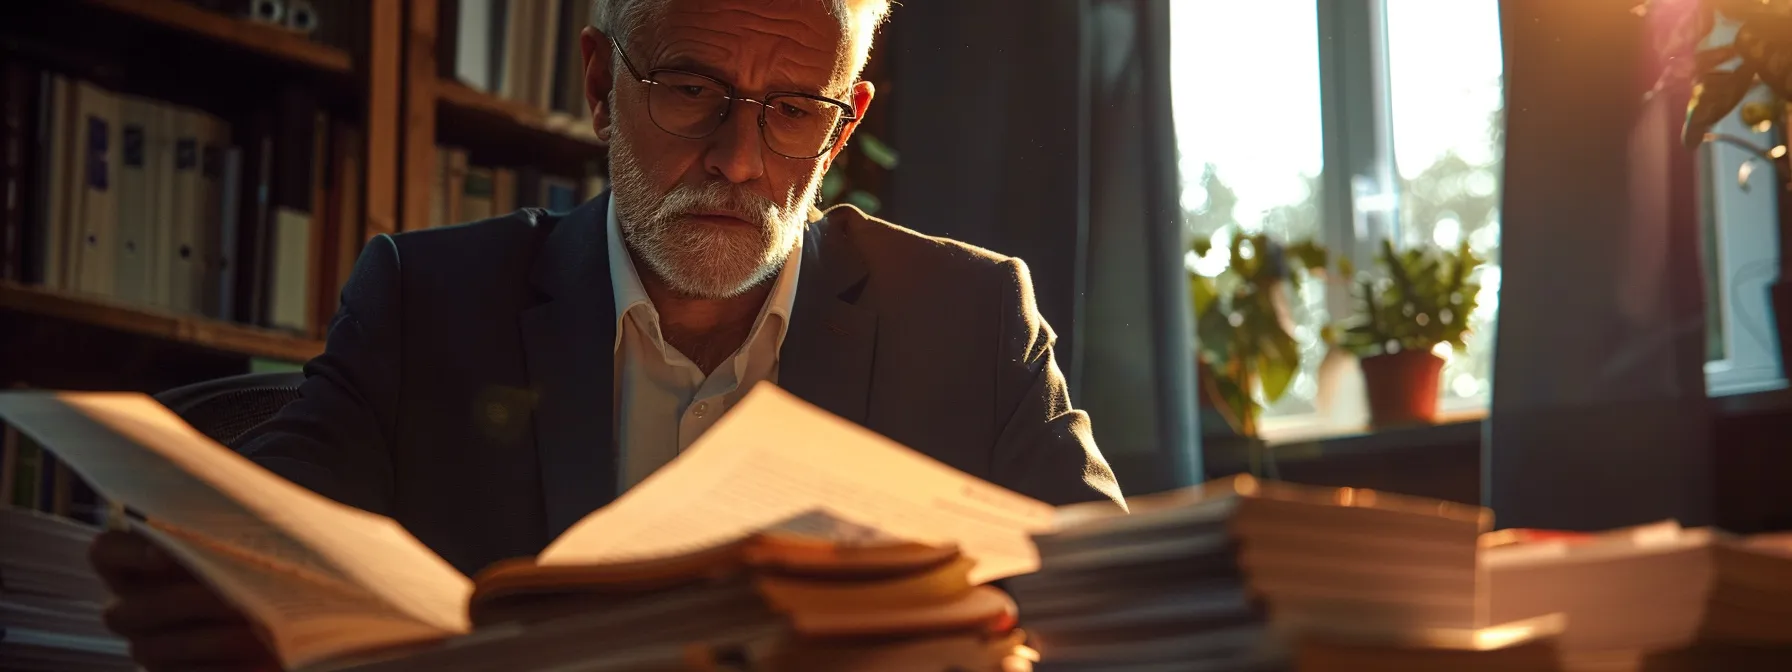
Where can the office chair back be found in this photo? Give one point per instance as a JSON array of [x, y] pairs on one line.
[[226, 408]]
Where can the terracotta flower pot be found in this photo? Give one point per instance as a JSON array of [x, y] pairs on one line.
[[1402, 388]]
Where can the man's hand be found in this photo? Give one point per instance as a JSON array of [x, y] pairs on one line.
[[173, 621]]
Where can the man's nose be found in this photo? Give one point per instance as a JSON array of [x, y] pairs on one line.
[[736, 153]]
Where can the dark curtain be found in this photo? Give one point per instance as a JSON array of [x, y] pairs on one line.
[[1598, 416], [1045, 133]]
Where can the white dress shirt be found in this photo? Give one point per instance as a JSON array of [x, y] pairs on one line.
[[663, 400]]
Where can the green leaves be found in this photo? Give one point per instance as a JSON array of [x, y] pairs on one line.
[[836, 185], [1278, 358], [876, 151], [1240, 321], [1716, 94], [1311, 255], [1422, 297]]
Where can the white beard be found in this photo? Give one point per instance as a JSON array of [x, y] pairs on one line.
[[698, 260]]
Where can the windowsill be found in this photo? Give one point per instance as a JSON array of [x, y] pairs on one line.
[[1454, 428], [1308, 432], [1229, 457], [1763, 401]]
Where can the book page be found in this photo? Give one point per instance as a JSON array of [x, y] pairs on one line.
[[135, 451], [774, 457], [317, 619]]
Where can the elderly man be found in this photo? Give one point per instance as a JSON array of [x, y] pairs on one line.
[[489, 384]]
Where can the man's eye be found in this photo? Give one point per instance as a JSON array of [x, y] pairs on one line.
[[791, 111], [691, 90]]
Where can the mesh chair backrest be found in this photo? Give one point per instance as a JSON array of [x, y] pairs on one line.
[[227, 408]]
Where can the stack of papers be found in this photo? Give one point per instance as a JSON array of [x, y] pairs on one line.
[[50, 600], [785, 538], [1241, 574], [1651, 597], [810, 594]]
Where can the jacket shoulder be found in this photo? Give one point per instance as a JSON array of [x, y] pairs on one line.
[[886, 244], [524, 227], [477, 252]]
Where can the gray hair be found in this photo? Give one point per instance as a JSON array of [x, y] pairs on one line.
[[859, 18]]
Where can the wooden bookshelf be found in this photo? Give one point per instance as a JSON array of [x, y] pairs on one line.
[[203, 332], [496, 131], [181, 53], [238, 33], [556, 126]]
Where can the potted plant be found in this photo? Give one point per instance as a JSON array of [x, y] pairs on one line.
[[1722, 75], [1244, 328], [1420, 301]]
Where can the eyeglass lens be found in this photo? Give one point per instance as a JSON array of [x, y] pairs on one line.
[[693, 107]]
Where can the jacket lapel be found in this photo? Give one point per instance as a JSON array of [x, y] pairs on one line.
[[568, 343], [827, 356]]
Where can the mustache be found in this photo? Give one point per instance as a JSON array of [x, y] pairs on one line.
[[717, 197]]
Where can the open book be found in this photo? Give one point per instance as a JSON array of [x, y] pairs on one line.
[[332, 582]]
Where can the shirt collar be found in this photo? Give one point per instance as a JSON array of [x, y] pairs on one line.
[[630, 294]]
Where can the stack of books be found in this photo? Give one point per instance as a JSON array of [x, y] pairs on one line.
[[50, 599], [813, 593], [1242, 574], [1651, 597]]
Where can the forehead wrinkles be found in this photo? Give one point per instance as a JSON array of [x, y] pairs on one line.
[[754, 47]]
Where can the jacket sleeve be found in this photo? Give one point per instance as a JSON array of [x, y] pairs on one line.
[[335, 439], [1045, 449]]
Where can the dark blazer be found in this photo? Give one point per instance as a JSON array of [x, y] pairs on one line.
[[465, 389]]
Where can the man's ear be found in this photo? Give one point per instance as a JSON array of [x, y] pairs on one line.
[[594, 46], [862, 93]]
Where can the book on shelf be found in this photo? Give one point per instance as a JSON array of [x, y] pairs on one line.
[[814, 540], [144, 202], [332, 22], [520, 50], [465, 191]]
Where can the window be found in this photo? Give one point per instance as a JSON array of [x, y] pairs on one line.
[[1740, 256], [1278, 102], [1448, 121], [1250, 141]]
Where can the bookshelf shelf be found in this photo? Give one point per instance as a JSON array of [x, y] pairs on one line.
[[268, 40], [186, 329], [473, 103]]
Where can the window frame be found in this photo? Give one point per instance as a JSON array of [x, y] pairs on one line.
[[1742, 223], [1361, 200]]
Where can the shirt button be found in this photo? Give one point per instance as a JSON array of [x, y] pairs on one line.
[[701, 409]]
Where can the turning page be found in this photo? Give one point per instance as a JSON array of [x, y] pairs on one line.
[[300, 563], [775, 457]]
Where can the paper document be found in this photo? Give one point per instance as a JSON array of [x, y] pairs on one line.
[[775, 456], [264, 536]]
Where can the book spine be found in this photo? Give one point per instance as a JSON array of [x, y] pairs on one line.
[[569, 71], [98, 224], [9, 463], [18, 89], [185, 265], [63, 183], [132, 280], [230, 229], [27, 473], [252, 228], [34, 237], [160, 237], [215, 145]]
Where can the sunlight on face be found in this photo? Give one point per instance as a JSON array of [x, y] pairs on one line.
[[716, 215], [698, 259]]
